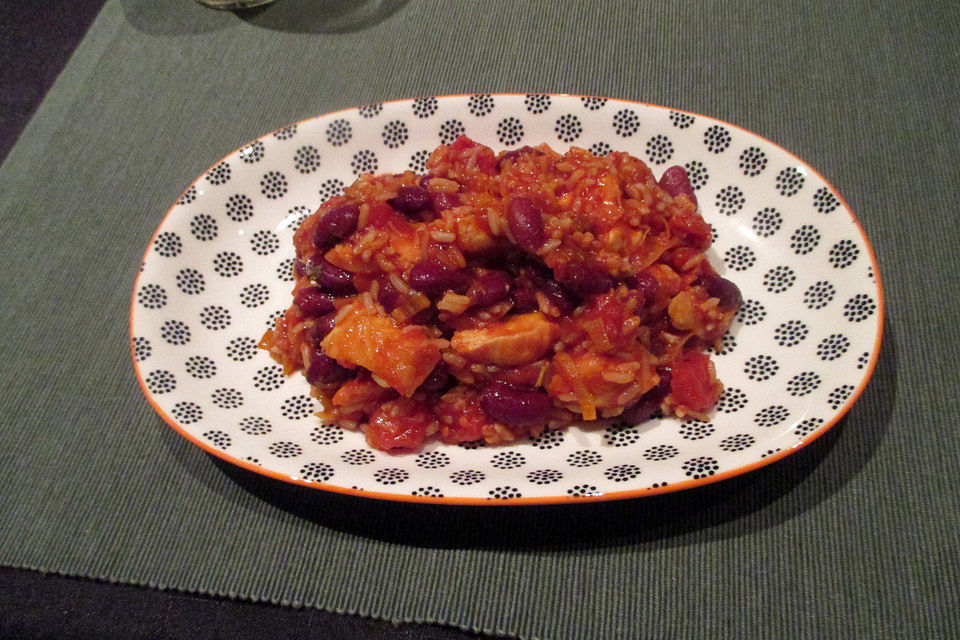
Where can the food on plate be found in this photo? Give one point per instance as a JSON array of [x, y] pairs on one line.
[[500, 295]]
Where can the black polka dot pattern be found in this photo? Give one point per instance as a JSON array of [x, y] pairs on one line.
[[219, 174], [481, 104], [253, 152], [737, 442], [285, 449], [753, 161], [545, 476], [805, 239], [188, 196], [767, 222], [466, 477], [622, 472], [187, 412], [152, 296], [661, 452], [330, 188], [395, 134], [731, 400], [729, 200], [175, 332], [203, 227], [621, 435], [418, 161], [228, 264], [191, 282], [510, 131], [239, 207], [659, 149], [241, 349], [536, 102], [298, 407], [717, 139], [306, 159], [285, 133], [264, 242], [273, 185], [504, 493], [825, 201], [789, 181], [584, 458], [751, 312], [508, 460], [839, 396], [268, 378], [255, 425], [219, 439], [760, 368], [696, 430], [739, 258], [425, 107], [771, 416], [364, 161], [803, 383], [141, 348], [626, 122], [779, 279], [859, 308], [843, 254], [327, 434], [370, 110], [791, 333], [549, 439], [431, 492], [593, 104], [600, 148], [391, 476], [227, 398], [681, 120], [168, 244], [316, 472], [701, 467], [254, 295], [201, 367], [161, 381], [432, 460], [819, 294], [284, 270], [357, 457], [339, 133], [832, 347], [451, 130], [697, 173], [568, 127]]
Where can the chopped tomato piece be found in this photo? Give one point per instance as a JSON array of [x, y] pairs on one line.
[[694, 385]]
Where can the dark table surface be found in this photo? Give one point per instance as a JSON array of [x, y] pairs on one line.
[[36, 40]]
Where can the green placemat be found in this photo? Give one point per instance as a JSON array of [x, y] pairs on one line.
[[858, 537]]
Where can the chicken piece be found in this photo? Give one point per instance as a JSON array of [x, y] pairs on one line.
[[604, 384], [402, 357], [520, 340]]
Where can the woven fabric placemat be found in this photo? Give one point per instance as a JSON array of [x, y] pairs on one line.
[[855, 536]]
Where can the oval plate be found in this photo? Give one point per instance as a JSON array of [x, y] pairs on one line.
[[217, 273]]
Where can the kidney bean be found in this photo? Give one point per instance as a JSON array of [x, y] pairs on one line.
[[387, 294], [644, 283], [649, 402], [313, 302], [331, 279], [489, 287], [335, 225], [514, 406], [321, 328], [526, 224], [438, 379], [411, 200], [514, 154], [424, 316], [717, 287], [583, 278], [433, 278], [444, 201], [524, 296], [676, 181], [325, 370], [561, 298]]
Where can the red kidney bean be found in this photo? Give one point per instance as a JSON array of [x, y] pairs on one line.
[[325, 370], [514, 406], [433, 278], [649, 402], [513, 154], [313, 302], [424, 316], [526, 224], [561, 298], [321, 328], [335, 225], [444, 201], [438, 379], [676, 181], [411, 200], [643, 283], [524, 296], [726, 291], [387, 294], [583, 278], [489, 287], [331, 279]]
